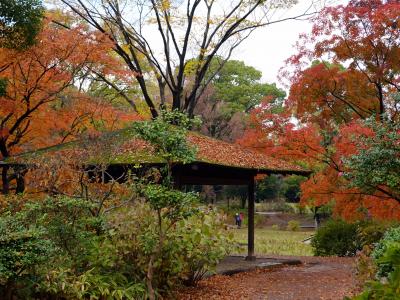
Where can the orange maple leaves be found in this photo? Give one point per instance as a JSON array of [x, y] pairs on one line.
[[42, 106], [318, 124]]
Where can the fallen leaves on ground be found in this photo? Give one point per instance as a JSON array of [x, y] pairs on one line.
[[317, 278]]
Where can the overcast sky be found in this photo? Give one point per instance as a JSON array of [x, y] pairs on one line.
[[268, 48]]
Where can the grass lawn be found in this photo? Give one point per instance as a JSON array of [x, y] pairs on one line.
[[279, 242]]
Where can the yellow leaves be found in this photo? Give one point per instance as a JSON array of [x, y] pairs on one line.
[[165, 4]]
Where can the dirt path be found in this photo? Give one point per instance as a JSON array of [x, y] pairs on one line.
[[316, 278]]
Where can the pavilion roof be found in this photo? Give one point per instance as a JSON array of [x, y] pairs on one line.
[[233, 155], [122, 147]]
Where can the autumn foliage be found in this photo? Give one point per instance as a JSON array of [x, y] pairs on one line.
[[346, 71], [44, 103]]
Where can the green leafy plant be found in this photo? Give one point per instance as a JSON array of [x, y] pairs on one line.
[[390, 238], [23, 250], [204, 243], [371, 232], [389, 288], [57, 248], [336, 237]]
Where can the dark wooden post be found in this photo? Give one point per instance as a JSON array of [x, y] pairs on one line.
[[250, 232], [176, 176]]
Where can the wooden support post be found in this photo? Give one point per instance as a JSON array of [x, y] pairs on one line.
[[250, 232], [177, 178]]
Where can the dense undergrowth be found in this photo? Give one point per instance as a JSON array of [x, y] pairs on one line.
[[56, 249]]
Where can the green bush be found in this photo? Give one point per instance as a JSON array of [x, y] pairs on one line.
[[336, 237], [22, 251], [389, 288], [203, 244], [57, 248], [389, 240], [190, 250], [370, 232], [293, 225]]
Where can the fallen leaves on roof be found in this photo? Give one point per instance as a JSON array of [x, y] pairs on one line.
[[223, 153], [123, 147]]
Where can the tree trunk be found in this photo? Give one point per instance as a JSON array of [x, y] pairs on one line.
[[20, 182], [176, 99], [4, 179], [149, 279]]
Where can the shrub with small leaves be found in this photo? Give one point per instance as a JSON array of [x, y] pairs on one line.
[[388, 288], [336, 237], [23, 249], [389, 240]]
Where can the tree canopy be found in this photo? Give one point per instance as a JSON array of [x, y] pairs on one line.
[[232, 92], [20, 22], [187, 30], [345, 71]]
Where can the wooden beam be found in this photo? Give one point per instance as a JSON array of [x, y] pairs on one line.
[[200, 180], [250, 227]]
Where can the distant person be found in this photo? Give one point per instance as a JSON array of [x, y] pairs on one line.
[[237, 220], [241, 215]]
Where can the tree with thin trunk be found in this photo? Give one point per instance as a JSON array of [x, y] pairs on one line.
[[157, 39]]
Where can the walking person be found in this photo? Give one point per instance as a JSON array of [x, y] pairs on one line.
[[237, 220], [241, 216]]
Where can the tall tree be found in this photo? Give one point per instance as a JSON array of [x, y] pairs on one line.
[[234, 90], [364, 37], [36, 109], [20, 22], [330, 98], [165, 35]]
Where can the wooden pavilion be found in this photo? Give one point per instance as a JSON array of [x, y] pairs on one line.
[[222, 163], [216, 163]]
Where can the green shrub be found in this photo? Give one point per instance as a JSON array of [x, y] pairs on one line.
[[293, 225], [58, 249], [22, 251], [389, 240], [336, 237], [190, 250], [389, 288], [203, 244], [370, 232]]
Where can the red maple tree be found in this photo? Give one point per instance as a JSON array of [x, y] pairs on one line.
[[346, 70], [42, 105]]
